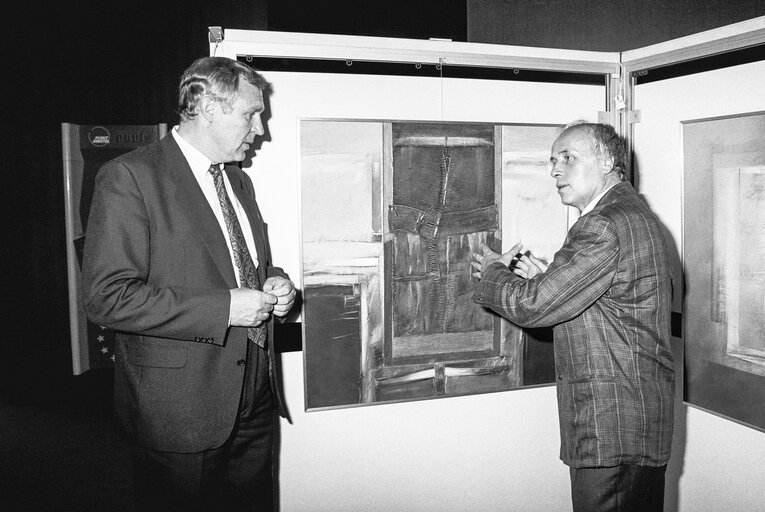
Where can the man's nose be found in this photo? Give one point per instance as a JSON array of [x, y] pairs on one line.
[[555, 170], [257, 126]]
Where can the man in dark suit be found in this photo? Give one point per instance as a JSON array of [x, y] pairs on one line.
[[607, 294], [177, 261]]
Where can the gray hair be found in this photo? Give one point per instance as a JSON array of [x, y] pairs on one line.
[[606, 143], [218, 77]]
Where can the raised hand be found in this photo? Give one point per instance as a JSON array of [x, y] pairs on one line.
[[486, 256], [526, 265]]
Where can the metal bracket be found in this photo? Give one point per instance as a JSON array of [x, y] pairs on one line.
[[632, 116], [604, 117], [215, 34]]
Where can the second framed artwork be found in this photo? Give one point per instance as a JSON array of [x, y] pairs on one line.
[[724, 256], [391, 214]]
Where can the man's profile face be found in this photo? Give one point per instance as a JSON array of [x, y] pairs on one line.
[[578, 171], [232, 132]]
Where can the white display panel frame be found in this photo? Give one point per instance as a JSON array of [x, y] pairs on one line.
[[659, 137], [303, 95], [720, 40], [665, 106], [234, 43]]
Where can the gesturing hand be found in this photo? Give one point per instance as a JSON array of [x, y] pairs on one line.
[[486, 257], [526, 265], [523, 264]]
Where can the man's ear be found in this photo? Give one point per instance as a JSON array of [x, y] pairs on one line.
[[607, 164], [207, 107]]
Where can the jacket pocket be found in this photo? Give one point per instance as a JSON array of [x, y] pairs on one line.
[[154, 353]]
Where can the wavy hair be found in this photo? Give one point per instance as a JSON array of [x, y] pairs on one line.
[[217, 77]]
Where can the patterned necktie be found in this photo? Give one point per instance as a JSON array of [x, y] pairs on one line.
[[248, 274]]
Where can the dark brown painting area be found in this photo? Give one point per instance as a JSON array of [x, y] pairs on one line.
[[336, 346], [443, 207]]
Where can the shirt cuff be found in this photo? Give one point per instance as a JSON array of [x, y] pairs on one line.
[[230, 305]]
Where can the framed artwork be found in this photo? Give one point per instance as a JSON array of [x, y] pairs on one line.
[[724, 259], [391, 214]]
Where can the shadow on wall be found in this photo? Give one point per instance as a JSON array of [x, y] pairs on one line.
[[679, 438]]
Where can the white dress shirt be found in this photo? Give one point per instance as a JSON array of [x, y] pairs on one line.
[[200, 165], [591, 204]]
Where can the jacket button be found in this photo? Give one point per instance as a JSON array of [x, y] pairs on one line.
[[241, 362]]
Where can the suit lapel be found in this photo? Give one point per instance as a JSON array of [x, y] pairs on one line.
[[195, 205]]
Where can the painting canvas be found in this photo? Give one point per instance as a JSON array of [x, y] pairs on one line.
[[724, 257], [391, 215]]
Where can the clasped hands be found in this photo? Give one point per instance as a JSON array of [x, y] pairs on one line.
[[250, 308], [522, 263]]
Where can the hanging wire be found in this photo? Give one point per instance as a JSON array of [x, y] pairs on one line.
[[440, 68]]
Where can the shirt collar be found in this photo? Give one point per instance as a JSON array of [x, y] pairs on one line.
[[197, 161], [591, 204]]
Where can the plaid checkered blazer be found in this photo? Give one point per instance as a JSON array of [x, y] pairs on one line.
[[607, 293]]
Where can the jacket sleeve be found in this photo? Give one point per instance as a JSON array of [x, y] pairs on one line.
[[580, 273], [117, 264]]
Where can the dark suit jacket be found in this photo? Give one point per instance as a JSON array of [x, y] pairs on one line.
[[607, 293], [157, 269]]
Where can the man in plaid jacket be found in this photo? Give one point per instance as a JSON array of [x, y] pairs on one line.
[[607, 293]]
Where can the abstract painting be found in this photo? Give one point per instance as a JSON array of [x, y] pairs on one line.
[[724, 260], [391, 214]]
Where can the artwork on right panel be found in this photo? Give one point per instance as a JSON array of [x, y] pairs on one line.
[[724, 260]]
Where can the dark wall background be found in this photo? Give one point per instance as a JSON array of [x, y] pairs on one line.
[[92, 62], [600, 25]]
